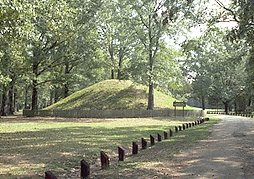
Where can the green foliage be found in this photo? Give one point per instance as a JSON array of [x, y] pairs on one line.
[[217, 68]]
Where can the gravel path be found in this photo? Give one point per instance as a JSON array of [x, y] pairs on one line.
[[227, 153]]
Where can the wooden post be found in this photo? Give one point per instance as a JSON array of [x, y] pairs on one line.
[[143, 143], [159, 137], [189, 125], [183, 126], [193, 124], [180, 128], [165, 135], [134, 148], [85, 169], [176, 129], [196, 123], [104, 160], [49, 175], [186, 125], [170, 133], [152, 140], [121, 153]]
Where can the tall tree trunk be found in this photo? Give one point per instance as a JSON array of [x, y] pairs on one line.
[[120, 56], [249, 101], [35, 85], [150, 95], [66, 90], [66, 85], [112, 74], [4, 98], [150, 105], [11, 107], [34, 95], [111, 53], [203, 102], [226, 106], [15, 104], [151, 83], [26, 97]]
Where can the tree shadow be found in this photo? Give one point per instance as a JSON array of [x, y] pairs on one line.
[[30, 153]]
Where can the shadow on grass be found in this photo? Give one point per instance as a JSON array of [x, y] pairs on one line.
[[61, 149], [156, 161]]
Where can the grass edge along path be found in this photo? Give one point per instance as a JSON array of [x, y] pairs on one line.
[[32, 145], [148, 163]]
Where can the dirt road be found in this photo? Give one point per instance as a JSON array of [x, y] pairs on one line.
[[227, 153]]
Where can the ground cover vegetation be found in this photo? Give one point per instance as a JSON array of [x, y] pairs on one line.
[[114, 94], [51, 49], [31, 146]]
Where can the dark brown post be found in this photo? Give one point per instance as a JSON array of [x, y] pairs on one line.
[[134, 148], [143, 143], [49, 175], [121, 153], [165, 135], [176, 129], [183, 126], [85, 169], [152, 140], [186, 126], [189, 125], [104, 160], [159, 137], [196, 123], [180, 128], [170, 133]]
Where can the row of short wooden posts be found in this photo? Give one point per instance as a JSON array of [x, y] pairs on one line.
[[105, 159], [231, 113]]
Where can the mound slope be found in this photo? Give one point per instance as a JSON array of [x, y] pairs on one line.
[[112, 94]]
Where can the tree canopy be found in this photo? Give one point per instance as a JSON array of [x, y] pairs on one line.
[[50, 49]]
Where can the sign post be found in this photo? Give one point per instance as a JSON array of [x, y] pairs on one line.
[[179, 104]]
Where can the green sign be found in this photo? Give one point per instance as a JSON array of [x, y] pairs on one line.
[[179, 104]]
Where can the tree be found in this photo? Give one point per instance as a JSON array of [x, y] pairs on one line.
[[115, 36], [150, 20], [217, 67]]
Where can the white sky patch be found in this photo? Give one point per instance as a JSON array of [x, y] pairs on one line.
[[197, 31]]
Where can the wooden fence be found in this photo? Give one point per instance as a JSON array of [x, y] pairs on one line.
[[111, 113], [243, 114]]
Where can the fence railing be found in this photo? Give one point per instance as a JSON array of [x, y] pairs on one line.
[[243, 114], [111, 113]]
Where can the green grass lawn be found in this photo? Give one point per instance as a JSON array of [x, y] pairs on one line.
[[154, 162], [29, 146], [114, 94]]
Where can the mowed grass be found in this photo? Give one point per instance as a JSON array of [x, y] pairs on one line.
[[30, 146], [114, 94], [158, 160]]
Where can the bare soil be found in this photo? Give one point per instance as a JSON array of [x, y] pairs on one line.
[[227, 153]]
